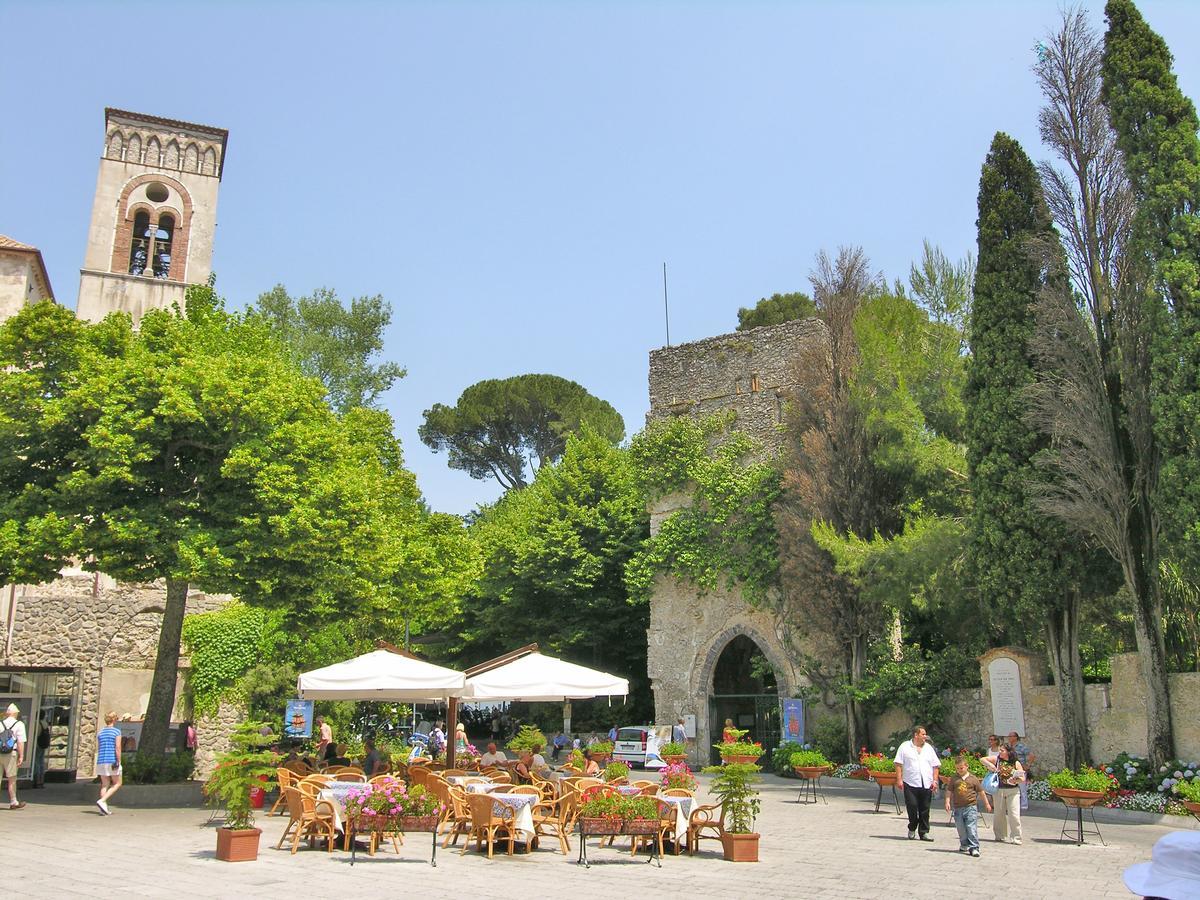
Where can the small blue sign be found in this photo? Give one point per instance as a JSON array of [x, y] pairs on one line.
[[793, 720], [298, 718]]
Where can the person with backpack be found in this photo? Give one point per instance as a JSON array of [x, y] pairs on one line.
[[12, 752]]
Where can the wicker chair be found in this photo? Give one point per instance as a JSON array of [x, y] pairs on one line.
[[556, 818], [705, 823], [460, 816], [351, 776], [310, 818], [486, 824], [287, 779], [418, 774], [386, 779]]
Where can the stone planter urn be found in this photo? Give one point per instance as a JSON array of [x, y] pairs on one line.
[[238, 846]]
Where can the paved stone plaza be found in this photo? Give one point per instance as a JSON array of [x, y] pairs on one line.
[[839, 850]]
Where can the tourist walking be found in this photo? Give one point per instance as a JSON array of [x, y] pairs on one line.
[[324, 737], [13, 738], [962, 802], [560, 741], [1007, 821], [679, 733], [917, 769], [1024, 757], [108, 761], [437, 740]]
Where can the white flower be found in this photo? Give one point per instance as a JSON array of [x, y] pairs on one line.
[[1189, 774], [1162, 787], [1162, 768]]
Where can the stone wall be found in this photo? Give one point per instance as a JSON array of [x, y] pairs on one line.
[[212, 735], [90, 624], [1116, 712], [752, 373]]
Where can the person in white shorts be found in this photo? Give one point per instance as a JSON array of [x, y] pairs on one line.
[[13, 738], [108, 761]]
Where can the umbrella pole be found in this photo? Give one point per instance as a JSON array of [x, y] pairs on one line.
[[451, 730]]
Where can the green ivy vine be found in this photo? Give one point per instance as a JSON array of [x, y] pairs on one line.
[[223, 645], [726, 533]]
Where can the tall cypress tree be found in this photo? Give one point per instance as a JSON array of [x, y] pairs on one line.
[[1156, 131], [1025, 567]]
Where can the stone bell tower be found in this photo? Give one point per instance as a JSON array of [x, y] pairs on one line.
[[154, 214]]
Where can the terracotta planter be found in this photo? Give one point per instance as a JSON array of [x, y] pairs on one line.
[[884, 779], [599, 826], [640, 826], [601, 757], [419, 823], [672, 758], [735, 759], [1192, 807], [1078, 799], [238, 846], [860, 774], [812, 772], [740, 847]]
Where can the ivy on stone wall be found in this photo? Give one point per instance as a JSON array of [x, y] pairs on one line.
[[725, 534], [223, 645]]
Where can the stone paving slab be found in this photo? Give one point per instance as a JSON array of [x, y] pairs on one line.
[[843, 850]]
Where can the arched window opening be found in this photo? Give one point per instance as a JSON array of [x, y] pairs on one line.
[[139, 249], [162, 246], [116, 146], [133, 152]]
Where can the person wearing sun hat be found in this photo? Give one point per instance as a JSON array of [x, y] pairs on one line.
[[1173, 872]]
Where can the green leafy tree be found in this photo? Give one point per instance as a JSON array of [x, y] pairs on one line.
[[1092, 350], [944, 287], [502, 428], [1025, 565], [333, 342], [195, 452], [775, 310], [553, 566]]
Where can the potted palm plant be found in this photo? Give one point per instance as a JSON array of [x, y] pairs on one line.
[[734, 787], [245, 767]]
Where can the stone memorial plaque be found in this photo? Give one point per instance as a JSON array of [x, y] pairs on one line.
[[1008, 707]]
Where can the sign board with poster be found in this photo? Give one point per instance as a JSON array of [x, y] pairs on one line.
[[298, 719], [793, 720], [689, 726]]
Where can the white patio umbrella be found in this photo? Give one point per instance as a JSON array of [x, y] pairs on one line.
[[535, 677], [382, 675]]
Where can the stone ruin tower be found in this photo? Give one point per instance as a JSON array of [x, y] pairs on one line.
[[154, 215], [700, 644]]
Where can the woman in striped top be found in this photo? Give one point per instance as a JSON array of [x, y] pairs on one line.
[[108, 761]]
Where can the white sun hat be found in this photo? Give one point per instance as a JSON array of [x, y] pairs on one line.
[[1173, 872]]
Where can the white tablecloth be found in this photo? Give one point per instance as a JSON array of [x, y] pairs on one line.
[[522, 807], [463, 779]]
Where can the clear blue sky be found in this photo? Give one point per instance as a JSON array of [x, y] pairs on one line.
[[511, 177]]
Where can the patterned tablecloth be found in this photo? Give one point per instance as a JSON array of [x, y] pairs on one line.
[[683, 811], [522, 807], [463, 779], [336, 793], [628, 790]]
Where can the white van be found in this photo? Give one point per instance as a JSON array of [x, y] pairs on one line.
[[637, 746]]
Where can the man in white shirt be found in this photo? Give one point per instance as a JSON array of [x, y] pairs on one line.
[[12, 732], [917, 769], [493, 757]]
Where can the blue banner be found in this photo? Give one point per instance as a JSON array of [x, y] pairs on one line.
[[298, 718], [793, 720]]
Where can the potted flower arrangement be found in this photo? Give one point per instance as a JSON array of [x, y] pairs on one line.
[[529, 737], [601, 751], [1189, 795], [615, 771], [673, 752], [880, 768], [1085, 788], [639, 815], [734, 786], [810, 763], [738, 750], [600, 811], [247, 766], [678, 775]]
